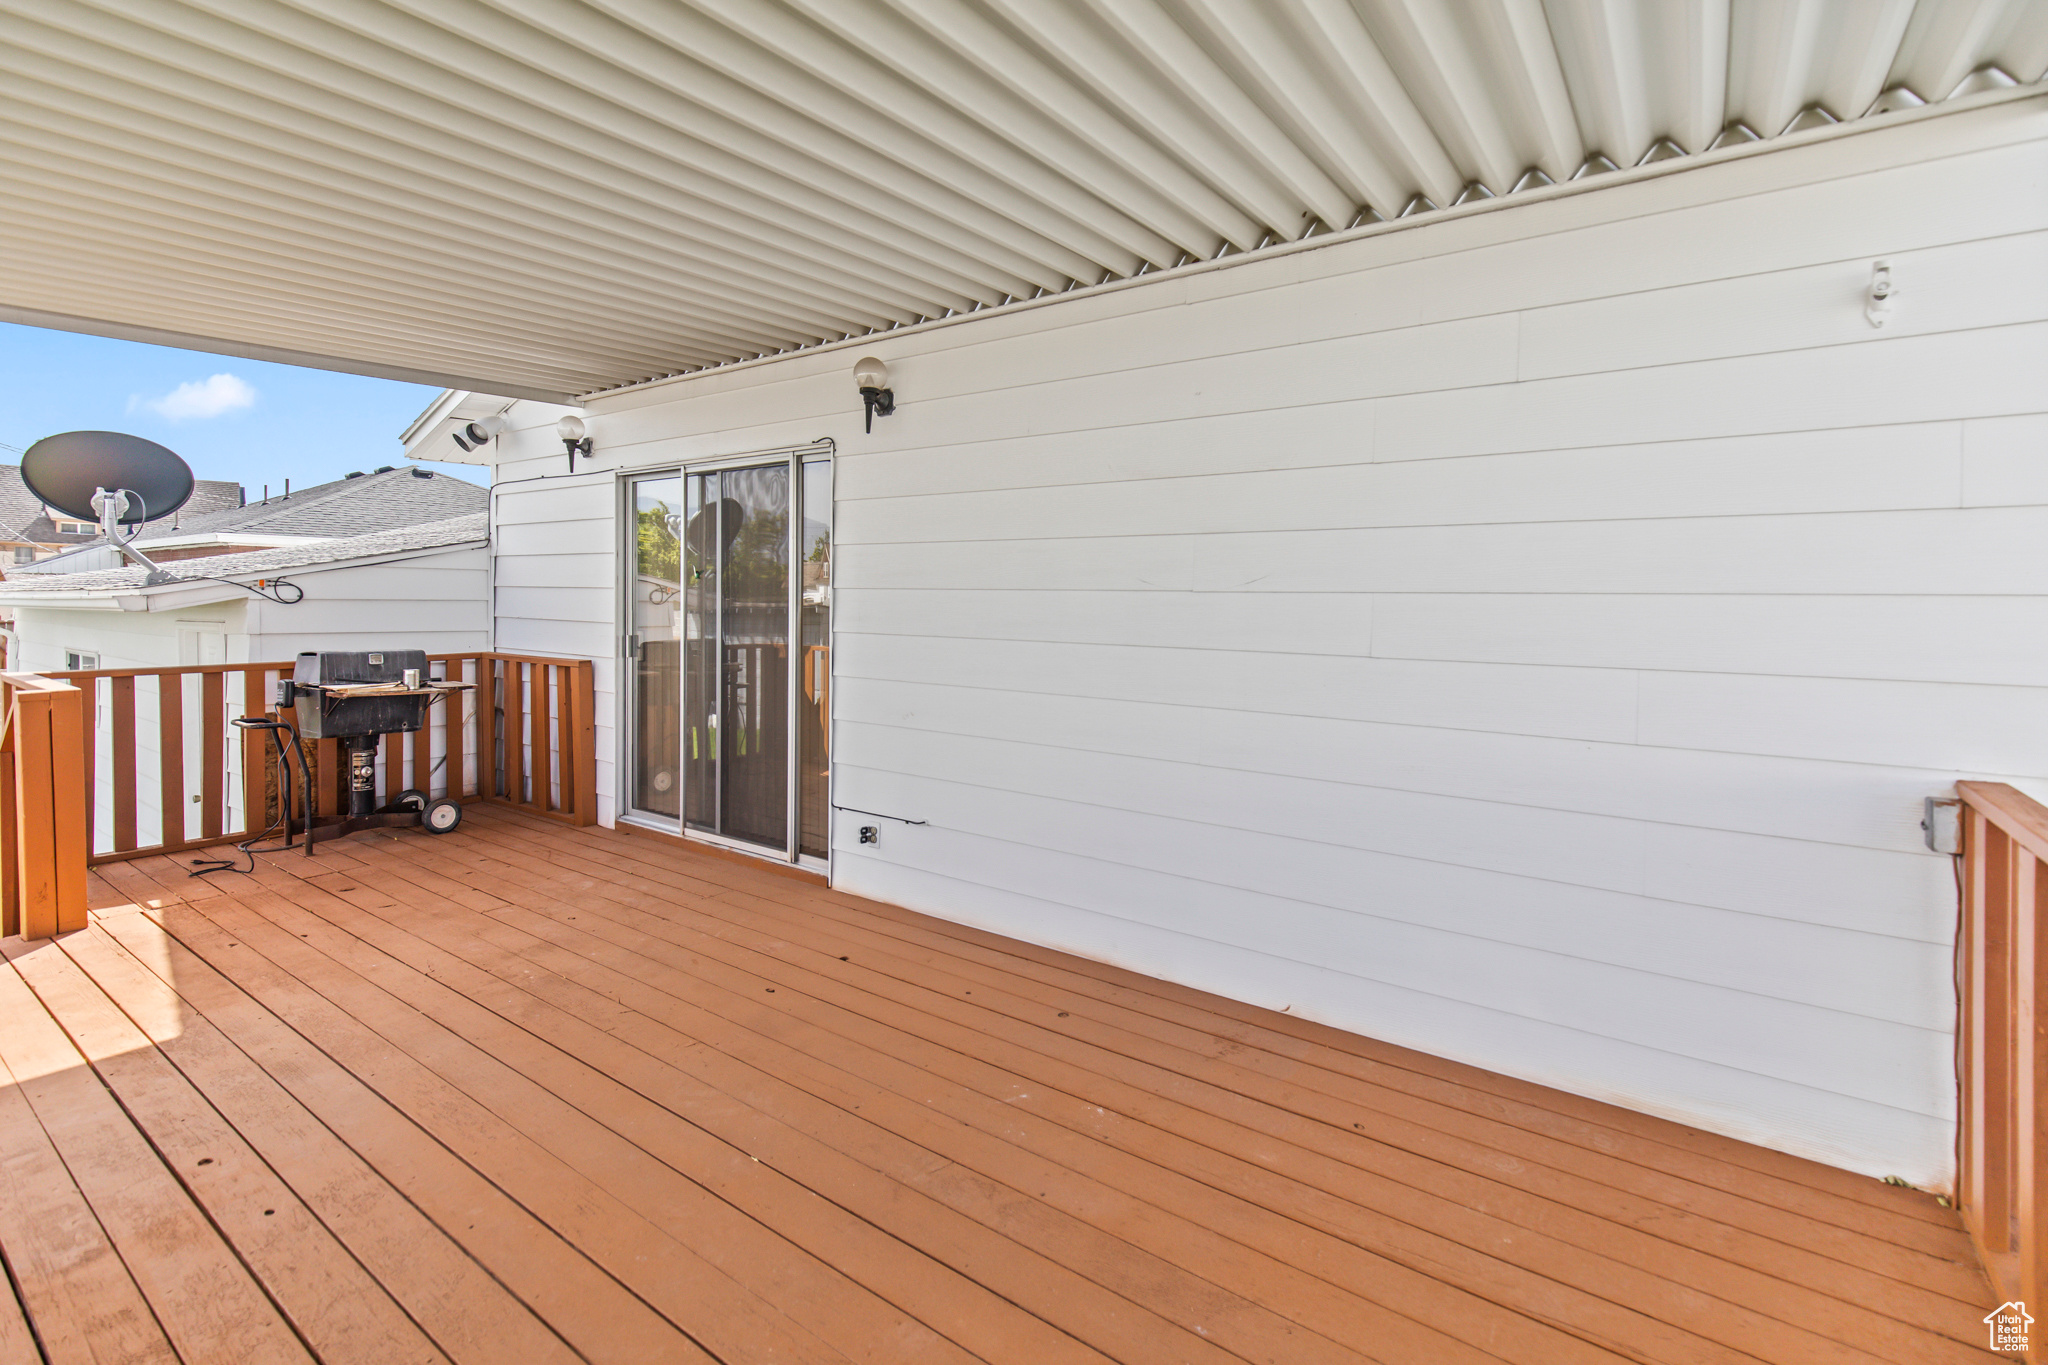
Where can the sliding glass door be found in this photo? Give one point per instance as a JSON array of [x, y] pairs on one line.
[[732, 604]]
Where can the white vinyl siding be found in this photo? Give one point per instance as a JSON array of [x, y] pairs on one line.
[[555, 580], [1526, 638]]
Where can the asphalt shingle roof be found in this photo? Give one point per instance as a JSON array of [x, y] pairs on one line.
[[461, 530], [22, 512], [346, 507]]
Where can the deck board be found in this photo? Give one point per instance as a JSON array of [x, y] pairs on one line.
[[532, 1092], [198, 1288]]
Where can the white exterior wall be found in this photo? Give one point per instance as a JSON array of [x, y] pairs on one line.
[[1527, 637], [125, 639], [438, 601]]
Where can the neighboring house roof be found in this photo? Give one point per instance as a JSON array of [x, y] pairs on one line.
[[346, 507], [47, 589], [23, 517]]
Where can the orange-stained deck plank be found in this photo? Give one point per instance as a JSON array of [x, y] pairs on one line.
[[472, 1317], [71, 1279], [333, 1305], [1827, 1193], [607, 1132], [981, 1197], [1900, 1295], [1745, 1307], [638, 1026], [17, 1342], [1933, 1255], [200, 1293], [771, 1075], [589, 1310], [702, 1304]]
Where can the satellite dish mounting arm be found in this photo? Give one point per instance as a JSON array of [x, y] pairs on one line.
[[112, 505]]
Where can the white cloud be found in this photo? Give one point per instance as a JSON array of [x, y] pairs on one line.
[[204, 398]]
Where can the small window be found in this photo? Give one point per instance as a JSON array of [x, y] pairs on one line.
[[76, 659], [75, 528], [24, 554]]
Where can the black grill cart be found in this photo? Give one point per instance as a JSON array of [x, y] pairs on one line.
[[357, 698]]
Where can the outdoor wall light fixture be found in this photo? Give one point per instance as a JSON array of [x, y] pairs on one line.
[[570, 429], [471, 435], [875, 394]]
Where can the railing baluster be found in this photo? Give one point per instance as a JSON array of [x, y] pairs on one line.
[[488, 764], [89, 701], [543, 768], [257, 766], [213, 778], [515, 731], [121, 702], [454, 769], [170, 744]]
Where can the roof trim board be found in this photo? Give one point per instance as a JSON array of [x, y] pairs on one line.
[[1546, 193], [223, 345]]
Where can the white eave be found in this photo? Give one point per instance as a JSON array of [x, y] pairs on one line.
[[191, 592], [432, 434], [543, 199], [196, 540]]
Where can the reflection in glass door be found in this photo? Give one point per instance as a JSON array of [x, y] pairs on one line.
[[735, 715]]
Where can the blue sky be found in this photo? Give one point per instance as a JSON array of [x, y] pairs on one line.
[[245, 420]]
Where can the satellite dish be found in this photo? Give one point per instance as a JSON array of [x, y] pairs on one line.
[[64, 471]]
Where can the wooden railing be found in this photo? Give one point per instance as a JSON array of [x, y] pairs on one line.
[[2002, 1051], [42, 806], [164, 770]]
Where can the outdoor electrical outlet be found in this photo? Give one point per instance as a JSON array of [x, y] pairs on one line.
[[870, 835], [1942, 824]]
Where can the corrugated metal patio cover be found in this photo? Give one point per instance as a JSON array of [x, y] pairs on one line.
[[549, 197]]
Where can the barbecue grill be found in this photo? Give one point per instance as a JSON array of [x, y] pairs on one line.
[[358, 697]]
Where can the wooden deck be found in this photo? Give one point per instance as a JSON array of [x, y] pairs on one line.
[[529, 1093]]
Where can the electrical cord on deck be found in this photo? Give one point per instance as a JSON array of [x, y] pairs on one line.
[[203, 866]]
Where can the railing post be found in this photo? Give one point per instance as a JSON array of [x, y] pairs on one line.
[[46, 729], [2002, 1050], [10, 816], [2029, 1194]]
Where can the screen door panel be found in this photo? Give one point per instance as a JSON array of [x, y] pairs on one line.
[[754, 616]]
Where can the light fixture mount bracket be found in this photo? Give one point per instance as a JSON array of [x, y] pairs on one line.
[[878, 402]]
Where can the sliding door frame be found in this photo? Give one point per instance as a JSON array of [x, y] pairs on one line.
[[628, 702]]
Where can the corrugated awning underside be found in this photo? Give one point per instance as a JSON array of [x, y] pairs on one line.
[[552, 197]]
